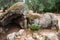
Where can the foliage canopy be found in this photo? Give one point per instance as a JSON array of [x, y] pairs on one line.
[[35, 5]]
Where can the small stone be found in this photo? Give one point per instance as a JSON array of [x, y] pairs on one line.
[[29, 37], [20, 32], [42, 37], [35, 35], [11, 36]]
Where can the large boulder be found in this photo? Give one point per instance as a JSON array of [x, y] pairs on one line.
[[48, 20]]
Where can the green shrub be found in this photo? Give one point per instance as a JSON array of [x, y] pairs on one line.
[[34, 27]]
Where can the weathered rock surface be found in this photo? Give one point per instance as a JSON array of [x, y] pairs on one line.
[[48, 20], [54, 20], [51, 36], [14, 11]]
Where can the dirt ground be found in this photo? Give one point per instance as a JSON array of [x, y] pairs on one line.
[[29, 32]]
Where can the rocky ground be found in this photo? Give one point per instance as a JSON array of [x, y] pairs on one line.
[[40, 35], [34, 35]]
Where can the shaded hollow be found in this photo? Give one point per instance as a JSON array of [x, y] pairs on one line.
[[12, 18]]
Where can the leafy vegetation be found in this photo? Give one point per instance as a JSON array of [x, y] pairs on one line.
[[35, 5], [34, 27], [42, 5]]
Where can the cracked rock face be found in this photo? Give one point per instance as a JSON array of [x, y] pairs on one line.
[[45, 21], [54, 20]]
